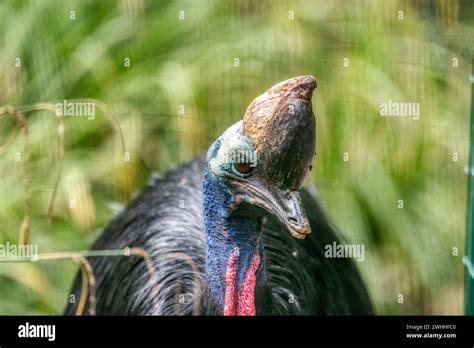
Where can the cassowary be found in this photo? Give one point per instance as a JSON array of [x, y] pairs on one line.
[[230, 234]]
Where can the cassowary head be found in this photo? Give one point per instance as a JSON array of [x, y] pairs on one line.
[[254, 170]]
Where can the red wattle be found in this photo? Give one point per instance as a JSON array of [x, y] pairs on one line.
[[246, 295], [230, 285], [243, 301]]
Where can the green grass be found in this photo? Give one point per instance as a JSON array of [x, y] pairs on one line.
[[191, 63]]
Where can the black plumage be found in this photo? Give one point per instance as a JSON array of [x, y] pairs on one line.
[[230, 234], [166, 220]]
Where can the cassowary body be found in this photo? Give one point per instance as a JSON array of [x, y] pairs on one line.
[[217, 230]]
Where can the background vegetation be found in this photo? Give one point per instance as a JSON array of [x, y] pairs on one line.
[[214, 62]]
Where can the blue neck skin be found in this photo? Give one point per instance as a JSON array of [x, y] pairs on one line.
[[225, 233]]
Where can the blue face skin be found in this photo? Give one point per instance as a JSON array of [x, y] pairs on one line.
[[236, 196], [231, 219]]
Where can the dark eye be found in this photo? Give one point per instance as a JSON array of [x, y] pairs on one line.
[[243, 168]]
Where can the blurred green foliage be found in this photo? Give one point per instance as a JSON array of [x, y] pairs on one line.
[[213, 62]]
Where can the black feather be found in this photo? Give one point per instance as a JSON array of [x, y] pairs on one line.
[[167, 218]]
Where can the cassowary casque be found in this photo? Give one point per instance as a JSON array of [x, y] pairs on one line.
[[235, 233]]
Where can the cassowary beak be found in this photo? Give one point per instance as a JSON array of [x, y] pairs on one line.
[[286, 205], [281, 126]]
